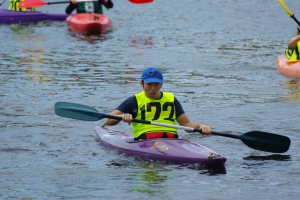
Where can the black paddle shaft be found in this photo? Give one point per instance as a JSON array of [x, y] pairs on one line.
[[58, 2], [295, 19]]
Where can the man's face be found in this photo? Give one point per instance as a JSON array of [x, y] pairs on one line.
[[152, 90]]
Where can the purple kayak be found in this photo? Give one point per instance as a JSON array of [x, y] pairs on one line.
[[177, 151], [12, 17]]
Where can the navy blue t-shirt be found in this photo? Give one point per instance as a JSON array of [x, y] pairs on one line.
[[130, 106]]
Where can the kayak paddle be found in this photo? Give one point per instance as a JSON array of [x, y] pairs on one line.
[[288, 11], [39, 3], [258, 140], [1, 2]]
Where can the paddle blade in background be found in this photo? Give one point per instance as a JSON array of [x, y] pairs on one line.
[[285, 8], [32, 4], [289, 12], [140, 1], [1, 2], [268, 142], [39, 3], [77, 111]]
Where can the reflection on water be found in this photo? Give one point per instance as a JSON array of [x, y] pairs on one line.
[[151, 176], [150, 181], [145, 42], [293, 85], [211, 170], [277, 157], [28, 56], [146, 164], [90, 38], [22, 30]]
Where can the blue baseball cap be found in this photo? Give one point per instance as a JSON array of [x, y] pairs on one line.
[[152, 75]]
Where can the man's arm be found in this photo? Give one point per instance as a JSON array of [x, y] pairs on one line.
[[107, 3], [112, 122], [71, 7], [183, 120]]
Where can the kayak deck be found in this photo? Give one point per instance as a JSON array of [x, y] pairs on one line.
[[177, 151], [13, 17], [90, 23]]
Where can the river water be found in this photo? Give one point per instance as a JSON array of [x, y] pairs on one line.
[[218, 57]]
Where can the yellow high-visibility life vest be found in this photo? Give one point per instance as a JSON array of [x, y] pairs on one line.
[[161, 110], [13, 5], [293, 54]]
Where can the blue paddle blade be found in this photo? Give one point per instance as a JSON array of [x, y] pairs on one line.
[[77, 111], [264, 141]]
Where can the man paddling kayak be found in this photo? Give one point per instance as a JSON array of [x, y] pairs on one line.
[[292, 52], [153, 105], [89, 6]]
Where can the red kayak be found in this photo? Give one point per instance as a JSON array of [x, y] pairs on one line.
[[90, 23]]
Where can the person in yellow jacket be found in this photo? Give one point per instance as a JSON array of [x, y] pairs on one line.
[[13, 5], [292, 52], [154, 105]]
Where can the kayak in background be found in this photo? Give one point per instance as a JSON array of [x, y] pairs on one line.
[[288, 68], [13, 17], [90, 23], [172, 150]]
